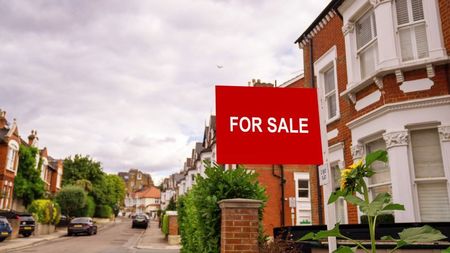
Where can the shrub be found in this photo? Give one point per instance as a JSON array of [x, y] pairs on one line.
[[199, 213], [45, 211], [103, 211], [71, 199], [165, 224]]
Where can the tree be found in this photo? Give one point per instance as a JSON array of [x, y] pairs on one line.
[[71, 199], [81, 167], [172, 206], [110, 190], [28, 184], [85, 184]]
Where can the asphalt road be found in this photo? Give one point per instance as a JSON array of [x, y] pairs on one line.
[[118, 238]]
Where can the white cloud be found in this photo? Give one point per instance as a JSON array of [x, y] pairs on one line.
[[132, 83]]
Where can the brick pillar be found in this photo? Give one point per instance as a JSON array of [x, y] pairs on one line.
[[239, 227], [174, 235]]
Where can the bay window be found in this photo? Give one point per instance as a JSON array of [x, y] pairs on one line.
[[366, 42], [430, 179], [411, 27]]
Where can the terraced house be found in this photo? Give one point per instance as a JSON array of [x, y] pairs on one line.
[[382, 72], [9, 160]]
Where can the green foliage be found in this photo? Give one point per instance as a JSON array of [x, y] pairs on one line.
[[165, 224], [71, 199], [88, 210], [198, 211], [85, 184], [28, 184], [109, 190], [172, 206], [103, 211], [45, 211], [81, 167], [352, 181]]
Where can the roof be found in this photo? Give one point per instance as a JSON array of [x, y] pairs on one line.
[[332, 6], [212, 122], [150, 192]]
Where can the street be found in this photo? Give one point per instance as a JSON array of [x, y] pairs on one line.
[[117, 238]]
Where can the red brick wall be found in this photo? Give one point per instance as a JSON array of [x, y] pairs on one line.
[[300, 83], [239, 229], [444, 7], [173, 225]]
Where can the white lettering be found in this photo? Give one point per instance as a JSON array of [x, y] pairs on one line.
[[283, 126], [249, 126], [272, 126], [303, 123], [232, 122], [256, 123]]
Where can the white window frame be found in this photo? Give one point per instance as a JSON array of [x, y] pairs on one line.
[[13, 150], [302, 176], [413, 174], [322, 65], [411, 25], [369, 45]]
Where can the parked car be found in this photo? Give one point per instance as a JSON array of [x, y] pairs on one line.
[[140, 220], [81, 225], [26, 225], [5, 228], [63, 221]]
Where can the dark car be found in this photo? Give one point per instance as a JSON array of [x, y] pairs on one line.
[[5, 229], [82, 225], [26, 225], [140, 220]]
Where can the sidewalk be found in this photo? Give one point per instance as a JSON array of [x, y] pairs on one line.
[[21, 242], [153, 238]]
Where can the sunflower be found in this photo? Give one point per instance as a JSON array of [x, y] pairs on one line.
[[347, 181]]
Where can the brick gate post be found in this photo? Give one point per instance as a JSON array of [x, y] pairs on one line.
[[239, 225]]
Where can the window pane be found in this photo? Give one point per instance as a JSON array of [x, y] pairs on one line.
[[303, 184], [336, 176], [426, 151], [340, 210], [402, 12], [364, 30], [367, 60], [331, 106], [303, 193], [406, 44], [382, 170], [433, 202], [417, 9], [421, 41], [329, 81]]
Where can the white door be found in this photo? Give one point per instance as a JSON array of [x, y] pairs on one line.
[[303, 198]]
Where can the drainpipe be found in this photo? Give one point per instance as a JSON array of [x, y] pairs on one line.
[[282, 183], [319, 192]]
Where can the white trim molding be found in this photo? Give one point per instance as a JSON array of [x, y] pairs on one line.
[[357, 151], [368, 100], [416, 85], [395, 139], [444, 133]]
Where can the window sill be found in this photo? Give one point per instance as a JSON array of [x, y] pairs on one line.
[[353, 88], [10, 170], [335, 118]]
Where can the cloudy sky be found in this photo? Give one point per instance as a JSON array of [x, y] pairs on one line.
[[131, 83]]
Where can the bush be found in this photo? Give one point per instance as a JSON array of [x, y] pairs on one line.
[[71, 199], [103, 211], [45, 211], [198, 211], [165, 224]]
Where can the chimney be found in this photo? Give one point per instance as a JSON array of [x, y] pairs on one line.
[[32, 138], [258, 83], [3, 121]]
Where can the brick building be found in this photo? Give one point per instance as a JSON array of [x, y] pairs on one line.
[[382, 73], [136, 180], [9, 160]]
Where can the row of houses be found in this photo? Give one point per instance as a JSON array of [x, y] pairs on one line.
[[10, 140], [381, 68]]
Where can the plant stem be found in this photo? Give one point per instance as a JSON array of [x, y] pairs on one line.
[[369, 217], [355, 242]]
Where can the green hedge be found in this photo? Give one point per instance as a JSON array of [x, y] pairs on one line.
[[103, 211], [45, 211], [165, 224], [198, 212]]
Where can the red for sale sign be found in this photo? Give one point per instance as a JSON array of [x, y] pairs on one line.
[[261, 125]]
